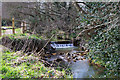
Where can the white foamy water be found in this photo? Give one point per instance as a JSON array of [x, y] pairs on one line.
[[62, 45]]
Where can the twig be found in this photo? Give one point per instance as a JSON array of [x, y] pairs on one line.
[[46, 44]]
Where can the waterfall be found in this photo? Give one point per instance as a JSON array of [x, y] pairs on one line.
[[61, 45]]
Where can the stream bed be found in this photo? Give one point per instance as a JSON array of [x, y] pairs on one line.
[[79, 65], [79, 68]]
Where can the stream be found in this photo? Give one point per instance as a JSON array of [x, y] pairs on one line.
[[79, 68], [82, 69]]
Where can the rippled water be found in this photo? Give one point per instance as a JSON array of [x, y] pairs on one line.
[[81, 68]]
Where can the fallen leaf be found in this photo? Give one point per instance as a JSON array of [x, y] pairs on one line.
[[53, 53]]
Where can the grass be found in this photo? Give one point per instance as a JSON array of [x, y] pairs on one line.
[[19, 34], [18, 65], [7, 26], [17, 31]]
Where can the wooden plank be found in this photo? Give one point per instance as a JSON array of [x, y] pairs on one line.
[[0, 27], [4, 28], [13, 25]]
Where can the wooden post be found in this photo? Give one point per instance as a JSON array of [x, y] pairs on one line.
[[13, 25], [23, 27], [0, 27]]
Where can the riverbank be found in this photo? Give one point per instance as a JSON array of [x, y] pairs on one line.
[[20, 65], [59, 61], [68, 62]]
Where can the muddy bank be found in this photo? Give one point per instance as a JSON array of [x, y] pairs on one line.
[[50, 57], [26, 44], [72, 60]]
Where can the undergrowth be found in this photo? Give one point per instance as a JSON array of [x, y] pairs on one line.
[[19, 65]]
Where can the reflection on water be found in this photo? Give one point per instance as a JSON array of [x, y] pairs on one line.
[[82, 69]]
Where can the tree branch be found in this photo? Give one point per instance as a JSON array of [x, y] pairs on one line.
[[93, 28], [79, 8]]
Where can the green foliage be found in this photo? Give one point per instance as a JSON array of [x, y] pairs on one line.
[[9, 72], [104, 50], [20, 35], [18, 65]]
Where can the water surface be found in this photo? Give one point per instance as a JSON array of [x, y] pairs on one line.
[[80, 68]]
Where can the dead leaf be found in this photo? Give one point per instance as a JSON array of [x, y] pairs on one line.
[[53, 53]]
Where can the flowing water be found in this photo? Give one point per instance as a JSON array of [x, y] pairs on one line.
[[80, 68], [62, 44]]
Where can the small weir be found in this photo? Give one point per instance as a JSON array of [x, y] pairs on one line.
[[62, 44], [69, 55]]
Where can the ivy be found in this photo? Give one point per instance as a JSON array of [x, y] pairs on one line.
[[104, 50]]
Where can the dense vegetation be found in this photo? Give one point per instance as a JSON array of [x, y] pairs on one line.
[[20, 65], [104, 50], [104, 47], [95, 26]]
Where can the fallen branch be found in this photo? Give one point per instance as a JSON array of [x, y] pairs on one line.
[[45, 45]]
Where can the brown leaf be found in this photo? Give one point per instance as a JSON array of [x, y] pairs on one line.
[[53, 53]]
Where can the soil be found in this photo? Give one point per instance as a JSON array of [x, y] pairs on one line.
[[26, 44]]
